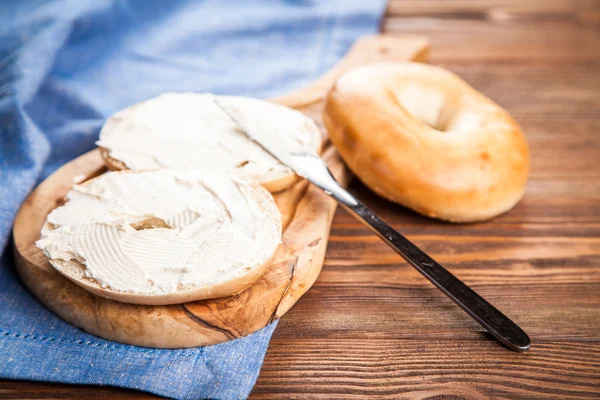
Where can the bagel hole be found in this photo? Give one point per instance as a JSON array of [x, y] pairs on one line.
[[424, 104]]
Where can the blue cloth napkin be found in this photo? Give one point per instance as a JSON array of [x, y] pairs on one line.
[[65, 66]]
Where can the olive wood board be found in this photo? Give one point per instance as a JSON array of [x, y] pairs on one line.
[[306, 214]]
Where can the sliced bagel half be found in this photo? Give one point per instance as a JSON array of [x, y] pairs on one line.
[[190, 131], [163, 237]]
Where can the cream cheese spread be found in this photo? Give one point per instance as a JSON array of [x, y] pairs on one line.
[[190, 131], [163, 231]]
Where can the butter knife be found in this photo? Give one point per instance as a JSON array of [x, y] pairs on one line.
[[310, 166]]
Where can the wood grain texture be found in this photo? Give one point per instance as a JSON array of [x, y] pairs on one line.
[[371, 327]]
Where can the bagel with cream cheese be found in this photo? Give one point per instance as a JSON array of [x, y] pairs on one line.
[[420, 136], [163, 237], [190, 131]]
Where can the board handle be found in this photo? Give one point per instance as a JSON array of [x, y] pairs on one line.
[[366, 50]]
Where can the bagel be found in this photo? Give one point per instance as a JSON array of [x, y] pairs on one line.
[[190, 131], [163, 237], [420, 136]]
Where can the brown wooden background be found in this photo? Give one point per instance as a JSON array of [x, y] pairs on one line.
[[372, 326]]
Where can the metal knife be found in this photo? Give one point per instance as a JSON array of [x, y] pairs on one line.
[[310, 166]]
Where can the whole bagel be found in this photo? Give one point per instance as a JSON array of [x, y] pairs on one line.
[[420, 136]]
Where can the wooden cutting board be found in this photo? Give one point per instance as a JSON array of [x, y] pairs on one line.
[[306, 212]]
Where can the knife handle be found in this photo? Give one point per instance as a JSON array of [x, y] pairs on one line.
[[488, 316]]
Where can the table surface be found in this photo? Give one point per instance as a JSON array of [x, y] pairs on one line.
[[371, 325]]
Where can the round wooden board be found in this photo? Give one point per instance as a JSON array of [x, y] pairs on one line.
[[306, 214]]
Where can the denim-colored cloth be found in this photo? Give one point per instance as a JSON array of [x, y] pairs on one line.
[[65, 66]]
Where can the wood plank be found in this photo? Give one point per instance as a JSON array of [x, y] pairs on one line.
[[583, 10], [426, 368], [511, 41], [378, 306], [537, 31]]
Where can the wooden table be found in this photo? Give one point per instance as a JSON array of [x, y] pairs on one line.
[[372, 325]]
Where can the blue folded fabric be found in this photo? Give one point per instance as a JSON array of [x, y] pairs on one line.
[[65, 66]]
